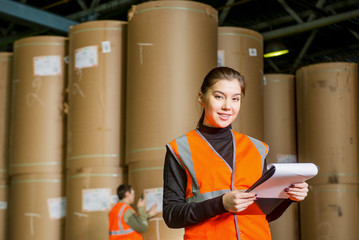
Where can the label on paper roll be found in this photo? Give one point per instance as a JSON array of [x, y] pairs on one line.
[[252, 52], [57, 207], [106, 46], [286, 158], [86, 57], [3, 205], [47, 66], [220, 58], [96, 199]]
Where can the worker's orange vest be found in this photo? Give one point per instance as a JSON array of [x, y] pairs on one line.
[[118, 228], [209, 176]]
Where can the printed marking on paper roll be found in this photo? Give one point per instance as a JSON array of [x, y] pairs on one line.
[[146, 169], [32, 96], [32, 215], [94, 156], [241, 35], [35, 164], [95, 175], [146, 149], [80, 215], [98, 29], [39, 44], [141, 54], [36, 181], [176, 8]]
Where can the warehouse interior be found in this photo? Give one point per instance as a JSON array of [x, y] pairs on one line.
[[313, 31], [91, 91]]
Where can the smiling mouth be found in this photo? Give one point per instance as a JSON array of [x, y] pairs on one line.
[[224, 116]]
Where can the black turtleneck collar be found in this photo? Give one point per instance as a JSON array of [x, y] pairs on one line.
[[215, 133]]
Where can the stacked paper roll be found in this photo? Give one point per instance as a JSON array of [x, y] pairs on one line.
[[172, 45], [36, 152], [242, 49], [5, 81], [95, 133], [280, 135], [37, 123], [328, 134]]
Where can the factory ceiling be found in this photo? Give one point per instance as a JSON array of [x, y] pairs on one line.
[[314, 31]]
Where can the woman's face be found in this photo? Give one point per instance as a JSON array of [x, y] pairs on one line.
[[221, 103]]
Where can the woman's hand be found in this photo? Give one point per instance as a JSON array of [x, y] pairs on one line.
[[237, 201], [298, 191]]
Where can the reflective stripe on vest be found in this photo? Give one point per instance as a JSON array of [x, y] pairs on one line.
[[121, 231]]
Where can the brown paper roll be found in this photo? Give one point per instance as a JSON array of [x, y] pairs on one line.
[[330, 212], [96, 94], [37, 204], [280, 135], [36, 143], [327, 96], [287, 226], [144, 175], [171, 47], [5, 81], [158, 230], [90, 196], [279, 115], [3, 209], [242, 49]]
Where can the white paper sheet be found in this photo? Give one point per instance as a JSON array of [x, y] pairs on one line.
[[154, 196], [285, 174], [57, 207], [96, 199]]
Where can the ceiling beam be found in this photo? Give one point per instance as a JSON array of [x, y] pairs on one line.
[[25, 13], [284, 20], [309, 41], [290, 11], [108, 6], [322, 22], [224, 12]]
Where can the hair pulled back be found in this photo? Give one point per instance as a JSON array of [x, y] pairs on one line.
[[220, 73]]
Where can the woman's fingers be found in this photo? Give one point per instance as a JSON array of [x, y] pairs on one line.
[[297, 191], [237, 201]]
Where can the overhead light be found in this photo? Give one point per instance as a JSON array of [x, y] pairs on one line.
[[275, 48]]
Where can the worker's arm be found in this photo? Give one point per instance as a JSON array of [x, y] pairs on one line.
[[137, 222]]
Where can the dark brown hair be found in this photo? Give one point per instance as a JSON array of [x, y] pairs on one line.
[[220, 73], [122, 189]]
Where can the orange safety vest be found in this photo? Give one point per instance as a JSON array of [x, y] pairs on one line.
[[209, 176], [118, 228]]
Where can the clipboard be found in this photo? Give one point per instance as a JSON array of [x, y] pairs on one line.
[[264, 178], [280, 176]]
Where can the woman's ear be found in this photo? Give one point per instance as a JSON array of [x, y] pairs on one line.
[[201, 98]]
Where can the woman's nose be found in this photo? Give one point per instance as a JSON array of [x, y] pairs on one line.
[[226, 105]]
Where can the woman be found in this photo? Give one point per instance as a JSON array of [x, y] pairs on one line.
[[208, 169]]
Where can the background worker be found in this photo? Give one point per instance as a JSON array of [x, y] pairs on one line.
[[124, 222]]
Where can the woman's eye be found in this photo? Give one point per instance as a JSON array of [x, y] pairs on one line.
[[236, 99], [218, 97]]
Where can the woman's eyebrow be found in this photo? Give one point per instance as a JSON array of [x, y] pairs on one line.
[[217, 91]]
